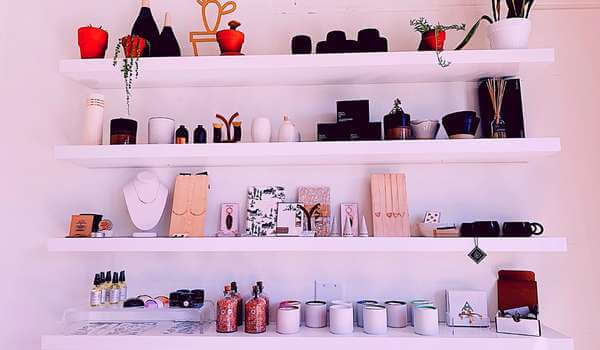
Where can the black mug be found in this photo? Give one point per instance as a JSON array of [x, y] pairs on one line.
[[522, 229], [480, 229]]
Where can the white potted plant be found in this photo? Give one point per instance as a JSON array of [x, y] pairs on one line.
[[511, 32]]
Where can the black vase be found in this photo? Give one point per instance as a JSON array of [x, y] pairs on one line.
[[168, 45], [145, 26]]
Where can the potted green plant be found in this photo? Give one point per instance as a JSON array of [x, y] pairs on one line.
[[132, 47], [511, 32], [433, 37]]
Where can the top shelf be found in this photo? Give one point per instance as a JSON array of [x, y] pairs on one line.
[[330, 69]]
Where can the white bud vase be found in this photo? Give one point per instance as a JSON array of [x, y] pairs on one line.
[[261, 130], [288, 132]]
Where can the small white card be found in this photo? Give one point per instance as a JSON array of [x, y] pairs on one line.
[[467, 308]]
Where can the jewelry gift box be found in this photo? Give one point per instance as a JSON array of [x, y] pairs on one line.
[[518, 304], [466, 308]]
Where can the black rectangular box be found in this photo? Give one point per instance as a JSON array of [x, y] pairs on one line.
[[354, 112]]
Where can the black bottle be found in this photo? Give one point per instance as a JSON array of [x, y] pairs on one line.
[[145, 26], [200, 135], [168, 45], [240, 303], [182, 136]]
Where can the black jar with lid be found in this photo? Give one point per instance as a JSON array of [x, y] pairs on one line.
[[123, 131], [396, 125]]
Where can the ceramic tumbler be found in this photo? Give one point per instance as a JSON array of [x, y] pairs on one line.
[[288, 319], [261, 130], [411, 309], [292, 303], [358, 313], [397, 314], [426, 320], [341, 319], [375, 319], [161, 131], [94, 117], [315, 314]]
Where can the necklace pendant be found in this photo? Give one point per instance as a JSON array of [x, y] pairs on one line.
[[477, 255]]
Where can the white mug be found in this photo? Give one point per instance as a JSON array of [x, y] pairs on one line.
[[288, 319], [161, 131], [375, 319], [341, 319], [315, 314], [397, 314], [426, 320], [261, 130]]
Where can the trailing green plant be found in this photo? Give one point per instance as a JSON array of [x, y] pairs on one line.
[[516, 9], [421, 25], [129, 65]]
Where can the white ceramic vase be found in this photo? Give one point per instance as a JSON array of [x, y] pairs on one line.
[[288, 132], [261, 130], [510, 33], [161, 131]]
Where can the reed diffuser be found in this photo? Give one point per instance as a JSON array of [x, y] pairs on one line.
[[496, 88]]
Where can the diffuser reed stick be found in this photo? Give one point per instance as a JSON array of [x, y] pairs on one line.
[[496, 88]]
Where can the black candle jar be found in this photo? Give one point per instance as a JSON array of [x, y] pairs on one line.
[[123, 131]]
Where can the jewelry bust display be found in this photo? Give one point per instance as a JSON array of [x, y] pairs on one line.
[[146, 199]]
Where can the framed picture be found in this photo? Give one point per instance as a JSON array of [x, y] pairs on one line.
[[311, 197], [229, 225], [81, 226], [290, 219], [262, 209], [350, 211]]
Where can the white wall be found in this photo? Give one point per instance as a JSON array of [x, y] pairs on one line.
[[44, 109]]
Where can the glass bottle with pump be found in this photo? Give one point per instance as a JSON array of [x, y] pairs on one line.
[[256, 310], [226, 313], [239, 303], [262, 294]]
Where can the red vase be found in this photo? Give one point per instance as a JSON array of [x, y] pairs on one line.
[[92, 42], [429, 42], [133, 46], [231, 40]]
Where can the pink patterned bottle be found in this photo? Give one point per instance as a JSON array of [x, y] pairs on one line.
[[261, 294], [226, 313], [239, 303], [256, 310]]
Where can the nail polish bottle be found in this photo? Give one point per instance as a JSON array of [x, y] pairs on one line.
[[96, 294], [102, 286], [123, 287], [182, 136], [115, 290], [107, 285]]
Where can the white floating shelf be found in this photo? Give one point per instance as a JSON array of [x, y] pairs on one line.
[[333, 69], [303, 244], [459, 338], [310, 153]]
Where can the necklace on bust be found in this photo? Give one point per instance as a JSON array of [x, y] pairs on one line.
[[143, 200]]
